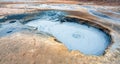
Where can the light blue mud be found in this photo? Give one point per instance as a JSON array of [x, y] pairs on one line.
[[103, 16], [11, 27], [88, 40]]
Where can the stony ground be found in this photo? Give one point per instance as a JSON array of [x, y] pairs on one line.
[[27, 47]]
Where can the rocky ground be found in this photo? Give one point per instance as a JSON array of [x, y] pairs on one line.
[[27, 47]]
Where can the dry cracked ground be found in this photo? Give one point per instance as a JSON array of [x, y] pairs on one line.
[[27, 47]]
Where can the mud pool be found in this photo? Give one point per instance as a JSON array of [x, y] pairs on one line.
[[75, 36]]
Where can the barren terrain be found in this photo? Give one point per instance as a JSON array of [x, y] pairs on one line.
[[29, 47]]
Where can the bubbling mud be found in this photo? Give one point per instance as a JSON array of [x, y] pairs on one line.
[[75, 36]]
